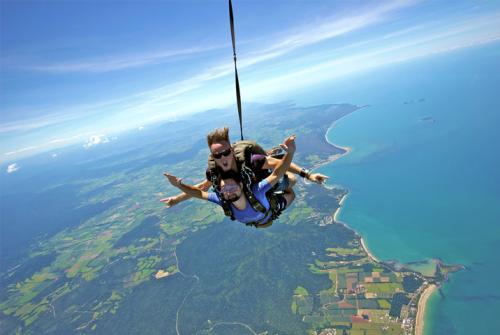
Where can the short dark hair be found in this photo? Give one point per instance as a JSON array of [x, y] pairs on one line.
[[231, 174], [218, 135]]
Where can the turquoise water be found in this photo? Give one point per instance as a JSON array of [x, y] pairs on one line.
[[424, 174]]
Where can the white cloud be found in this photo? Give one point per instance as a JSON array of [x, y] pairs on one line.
[[327, 28], [47, 119], [344, 66], [57, 115], [13, 168], [30, 148], [119, 62], [50, 144], [96, 140]]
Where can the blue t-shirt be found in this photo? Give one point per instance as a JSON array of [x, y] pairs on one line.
[[249, 214]]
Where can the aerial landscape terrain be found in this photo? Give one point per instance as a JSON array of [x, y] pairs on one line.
[[396, 101], [121, 262]]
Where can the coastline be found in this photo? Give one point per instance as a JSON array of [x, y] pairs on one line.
[[361, 241], [422, 304], [428, 291], [337, 211], [346, 149]]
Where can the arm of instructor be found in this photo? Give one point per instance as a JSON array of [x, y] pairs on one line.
[[317, 178], [283, 165]]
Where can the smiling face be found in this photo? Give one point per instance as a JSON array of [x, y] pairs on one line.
[[223, 155], [231, 189]]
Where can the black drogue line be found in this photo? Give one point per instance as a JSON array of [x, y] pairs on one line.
[[238, 96]]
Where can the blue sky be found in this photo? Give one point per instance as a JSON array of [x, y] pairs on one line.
[[76, 70]]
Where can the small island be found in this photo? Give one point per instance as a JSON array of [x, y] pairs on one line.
[[414, 101], [428, 119]]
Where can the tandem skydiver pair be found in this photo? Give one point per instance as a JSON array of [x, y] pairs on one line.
[[251, 185]]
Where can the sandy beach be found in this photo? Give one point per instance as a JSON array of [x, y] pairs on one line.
[[422, 302], [332, 158], [373, 258], [162, 274], [337, 211], [337, 156]]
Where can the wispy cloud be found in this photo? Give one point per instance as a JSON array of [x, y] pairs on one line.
[[16, 152], [52, 144], [461, 34], [117, 62], [45, 119], [298, 37], [400, 44], [277, 46], [65, 139], [326, 29]]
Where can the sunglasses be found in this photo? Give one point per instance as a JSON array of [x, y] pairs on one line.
[[224, 153]]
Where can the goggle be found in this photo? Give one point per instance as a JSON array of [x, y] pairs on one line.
[[224, 153], [229, 188]]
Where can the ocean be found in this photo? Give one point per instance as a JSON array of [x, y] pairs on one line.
[[424, 174]]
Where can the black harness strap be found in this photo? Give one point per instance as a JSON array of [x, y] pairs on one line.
[[226, 206], [238, 97]]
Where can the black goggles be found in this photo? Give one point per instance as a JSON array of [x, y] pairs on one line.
[[224, 153]]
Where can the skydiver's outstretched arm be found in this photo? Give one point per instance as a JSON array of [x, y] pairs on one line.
[[190, 190], [283, 164], [317, 178], [172, 201]]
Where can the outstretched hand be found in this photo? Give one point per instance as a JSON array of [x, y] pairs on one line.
[[170, 201], [175, 181], [318, 178], [289, 144]]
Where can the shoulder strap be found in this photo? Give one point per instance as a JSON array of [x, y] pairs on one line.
[[211, 163], [228, 211]]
